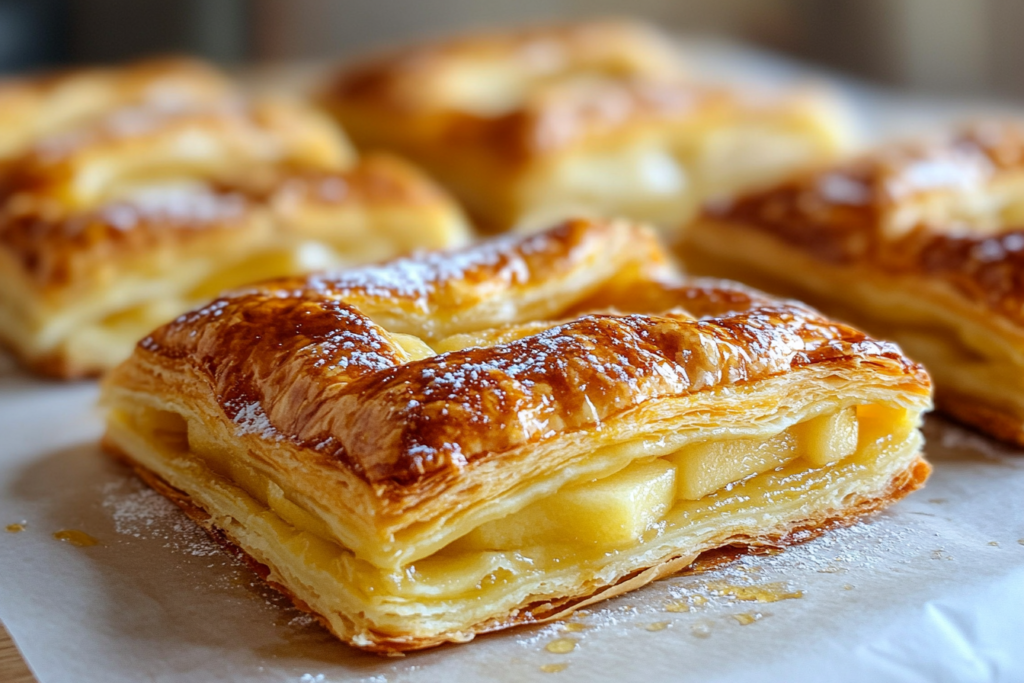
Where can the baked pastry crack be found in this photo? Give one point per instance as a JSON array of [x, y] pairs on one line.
[[918, 242], [598, 118], [458, 442], [114, 223]]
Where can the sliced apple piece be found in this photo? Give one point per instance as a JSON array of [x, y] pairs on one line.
[[706, 467], [414, 347], [205, 446], [883, 422], [612, 511], [828, 438], [168, 427], [298, 517], [261, 266]]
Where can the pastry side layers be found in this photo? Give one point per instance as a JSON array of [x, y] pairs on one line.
[[919, 243], [530, 126], [315, 422], [147, 205]]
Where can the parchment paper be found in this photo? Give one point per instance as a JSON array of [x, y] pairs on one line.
[[932, 590]]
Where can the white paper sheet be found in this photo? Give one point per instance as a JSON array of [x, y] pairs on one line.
[[931, 590]]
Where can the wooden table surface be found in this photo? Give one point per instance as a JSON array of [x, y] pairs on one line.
[[12, 667]]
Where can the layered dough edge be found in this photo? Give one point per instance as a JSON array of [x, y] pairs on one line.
[[966, 349], [390, 610]]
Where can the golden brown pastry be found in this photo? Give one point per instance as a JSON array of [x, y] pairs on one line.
[[920, 243], [34, 107], [110, 228], [585, 119], [459, 442]]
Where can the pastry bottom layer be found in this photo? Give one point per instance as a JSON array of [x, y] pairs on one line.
[[978, 370], [407, 610]]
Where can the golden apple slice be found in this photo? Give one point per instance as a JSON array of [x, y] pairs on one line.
[[828, 438], [706, 467], [612, 511], [295, 515], [416, 348], [168, 427]]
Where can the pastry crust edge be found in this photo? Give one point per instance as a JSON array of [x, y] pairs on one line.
[[902, 483], [967, 410]]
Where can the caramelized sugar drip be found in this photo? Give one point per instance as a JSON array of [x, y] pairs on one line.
[[15, 528], [561, 646], [77, 538], [768, 592], [748, 618], [554, 668]]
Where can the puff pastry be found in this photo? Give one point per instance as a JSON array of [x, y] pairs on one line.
[[598, 118], [917, 242], [459, 442], [33, 107], [111, 227]]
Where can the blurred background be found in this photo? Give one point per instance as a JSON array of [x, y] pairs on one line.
[[938, 47]]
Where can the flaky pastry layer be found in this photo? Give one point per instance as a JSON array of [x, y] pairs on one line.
[[917, 243], [317, 424], [121, 222], [528, 127], [397, 615], [37, 106]]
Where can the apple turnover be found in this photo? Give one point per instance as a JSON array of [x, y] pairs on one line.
[[459, 442], [33, 107], [921, 243], [599, 118], [112, 227]]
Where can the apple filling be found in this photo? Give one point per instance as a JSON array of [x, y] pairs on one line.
[[611, 512], [682, 502], [619, 509], [964, 350]]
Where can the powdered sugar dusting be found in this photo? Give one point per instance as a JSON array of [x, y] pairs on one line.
[[250, 418], [420, 276], [135, 122], [700, 602], [942, 169], [141, 512], [182, 206]]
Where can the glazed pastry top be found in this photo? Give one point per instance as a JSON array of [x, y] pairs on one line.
[[950, 208], [550, 334]]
